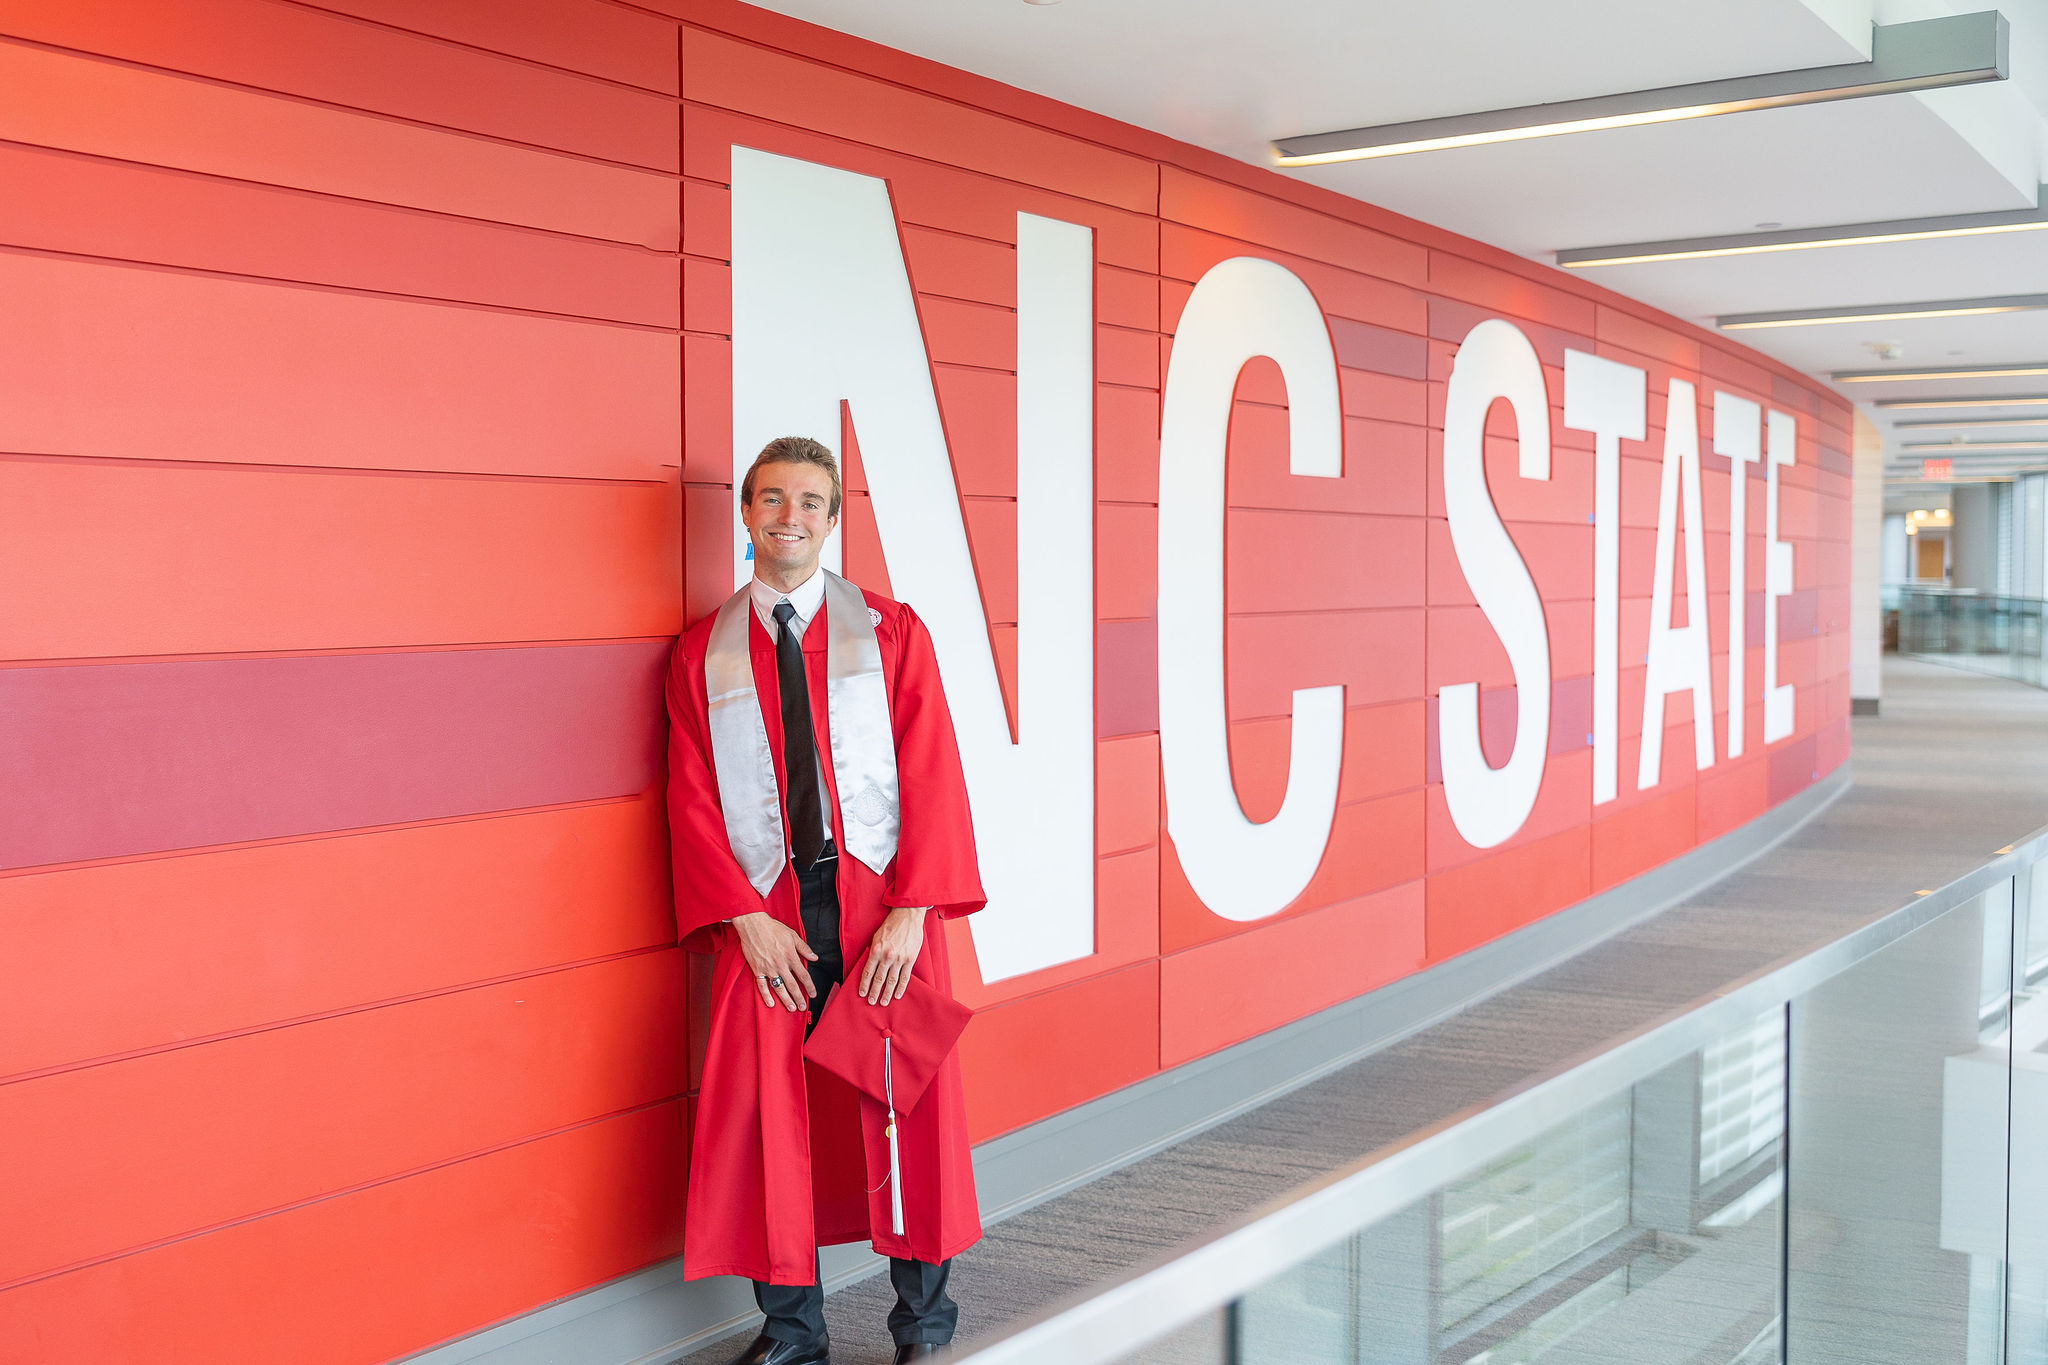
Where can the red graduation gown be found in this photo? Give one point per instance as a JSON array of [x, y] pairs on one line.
[[786, 1157]]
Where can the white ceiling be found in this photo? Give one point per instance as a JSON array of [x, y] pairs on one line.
[[1232, 77]]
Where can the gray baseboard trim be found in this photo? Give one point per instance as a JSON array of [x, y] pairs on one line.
[[1863, 706], [654, 1316]]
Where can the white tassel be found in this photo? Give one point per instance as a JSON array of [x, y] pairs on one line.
[[895, 1170]]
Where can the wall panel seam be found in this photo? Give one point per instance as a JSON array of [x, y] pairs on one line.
[[144, 1248], [333, 197], [457, 44], [179, 1045], [58, 869], [353, 471], [359, 111], [322, 287]]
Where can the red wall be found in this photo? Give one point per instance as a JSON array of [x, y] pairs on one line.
[[362, 383]]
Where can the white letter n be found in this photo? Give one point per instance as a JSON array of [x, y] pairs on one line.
[[822, 312]]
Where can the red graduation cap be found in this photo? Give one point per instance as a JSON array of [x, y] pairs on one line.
[[889, 1052]]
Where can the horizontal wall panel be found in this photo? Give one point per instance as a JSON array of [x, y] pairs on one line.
[[111, 360], [116, 759], [90, 207], [380, 1272], [301, 51], [1462, 277], [591, 36], [1188, 254], [131, 1152], [1104, 1031], [922, 192], [1286, 970], [1198, 201], [102, 558], [1376, 654], [1383, 559], [237, 938], [1508, 888], [746, 79], [55, 99]]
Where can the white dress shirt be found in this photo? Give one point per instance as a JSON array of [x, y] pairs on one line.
[[807, 597]]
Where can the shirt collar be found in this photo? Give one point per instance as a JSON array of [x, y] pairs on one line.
[[807, 597]]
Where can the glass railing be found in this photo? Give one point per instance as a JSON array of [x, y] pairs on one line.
[[1842, 1159], [1978, 631]]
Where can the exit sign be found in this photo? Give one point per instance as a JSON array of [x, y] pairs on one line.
[[1936, 471]]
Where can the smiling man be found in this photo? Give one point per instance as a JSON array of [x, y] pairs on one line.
[[819, 822]]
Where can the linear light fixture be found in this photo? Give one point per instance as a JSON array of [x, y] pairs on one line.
[[1960, 372], [1803, 239], [1974, 464], [1896, 478], [2031, 400], [1971, 447], [1970, 464], [2018, 464], [1973, 423], [1960, 49], [1887, 312]]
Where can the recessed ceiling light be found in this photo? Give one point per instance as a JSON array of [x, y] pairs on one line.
[[1769, 227], [1926, 54]]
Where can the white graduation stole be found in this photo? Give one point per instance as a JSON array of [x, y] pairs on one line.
[[862, 738]]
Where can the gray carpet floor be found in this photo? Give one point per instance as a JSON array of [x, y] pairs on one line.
[[1954, 768]]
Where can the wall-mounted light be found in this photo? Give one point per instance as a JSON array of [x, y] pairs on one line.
[[1960, 372], [1885, 312], [1927, 54]]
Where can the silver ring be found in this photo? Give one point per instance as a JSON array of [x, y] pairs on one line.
[[775, 981]]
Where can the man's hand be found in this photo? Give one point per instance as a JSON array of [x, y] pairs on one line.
[[776, 951], [890, 955]]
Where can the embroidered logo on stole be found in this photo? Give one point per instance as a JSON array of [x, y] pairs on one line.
[[861, 736]]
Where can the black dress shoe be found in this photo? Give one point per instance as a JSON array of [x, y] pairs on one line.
[[766, 1350], [918, 1350]]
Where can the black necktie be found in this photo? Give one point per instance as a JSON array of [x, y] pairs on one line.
[[799, 747]]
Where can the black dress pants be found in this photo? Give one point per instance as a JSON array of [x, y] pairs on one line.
[[796, 1312]]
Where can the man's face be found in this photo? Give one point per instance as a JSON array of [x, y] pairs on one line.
[[789, 517]]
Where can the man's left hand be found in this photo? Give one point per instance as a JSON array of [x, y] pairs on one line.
[[887, 974]]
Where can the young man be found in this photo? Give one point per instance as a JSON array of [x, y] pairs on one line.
[[819, 821]]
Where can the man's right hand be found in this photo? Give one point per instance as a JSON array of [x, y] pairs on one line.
[[776, 951]]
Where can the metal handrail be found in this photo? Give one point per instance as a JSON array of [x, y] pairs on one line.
[[1105, 1325]]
